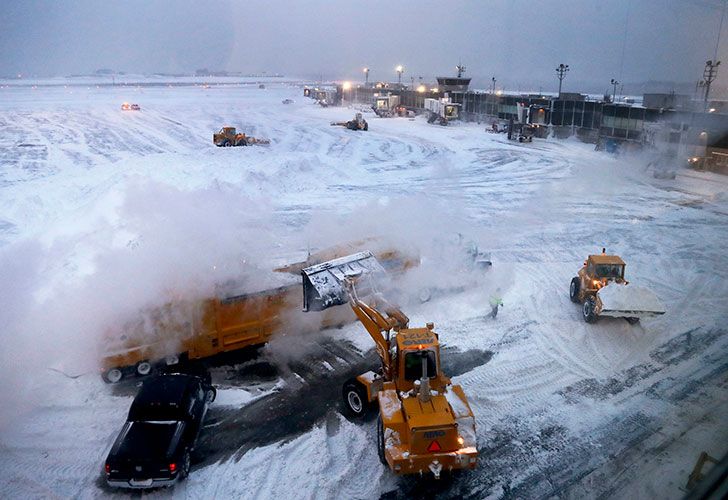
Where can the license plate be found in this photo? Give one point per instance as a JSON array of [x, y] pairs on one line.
[[141, 482]]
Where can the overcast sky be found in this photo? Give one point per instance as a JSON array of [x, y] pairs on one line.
[[518, 41]]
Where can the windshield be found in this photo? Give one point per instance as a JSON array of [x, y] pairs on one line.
[[609, 270], [413, 364]]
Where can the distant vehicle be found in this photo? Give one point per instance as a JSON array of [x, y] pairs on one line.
[[386, 106], [154, 446], [287, 101], [358, 123], [261, 86], [130, 107], [442, 110], [229, 136]]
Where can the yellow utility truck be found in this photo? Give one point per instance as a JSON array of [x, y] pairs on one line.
[[425, 422], [602, 290]]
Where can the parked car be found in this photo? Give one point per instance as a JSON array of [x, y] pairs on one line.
[[154, 447]]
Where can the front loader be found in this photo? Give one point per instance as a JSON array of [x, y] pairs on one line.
[[229, 137], [602, 290], [358, 123], [425, 422]]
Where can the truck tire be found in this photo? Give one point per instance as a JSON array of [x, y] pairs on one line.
[[380, 440], [113, 375], [143, 368], [355, 398], [588, 310], [574, 290], [226, 143], [366, 126], [211, 395]]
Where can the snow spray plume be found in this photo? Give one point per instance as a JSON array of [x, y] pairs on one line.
[[165, 244]]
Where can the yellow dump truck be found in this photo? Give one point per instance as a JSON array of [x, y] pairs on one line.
[[232, 320]]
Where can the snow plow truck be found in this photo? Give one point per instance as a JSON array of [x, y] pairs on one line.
[[229, 136], [425, 422], [602, 290]]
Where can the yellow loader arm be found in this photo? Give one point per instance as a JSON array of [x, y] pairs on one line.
[[377, 324]]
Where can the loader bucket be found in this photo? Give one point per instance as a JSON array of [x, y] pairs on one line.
[[323, 284], [628, 301]]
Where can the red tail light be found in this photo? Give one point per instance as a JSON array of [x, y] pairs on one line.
[[434, 447], [108, 468], [172, 467]]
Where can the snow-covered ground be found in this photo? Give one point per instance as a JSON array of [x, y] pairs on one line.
[[103, 212]]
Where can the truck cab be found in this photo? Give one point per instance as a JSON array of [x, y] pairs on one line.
[[598, 271], [415, 347]]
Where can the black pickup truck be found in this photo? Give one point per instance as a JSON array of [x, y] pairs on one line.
[[153, 448]]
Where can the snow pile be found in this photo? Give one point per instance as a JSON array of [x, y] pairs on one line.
[[617, 298]]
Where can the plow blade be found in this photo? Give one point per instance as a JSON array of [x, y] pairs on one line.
[[629, 301], [323, 284]]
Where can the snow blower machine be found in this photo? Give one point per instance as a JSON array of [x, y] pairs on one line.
[[358, 123], [425, 422], [229, 136], [602, 290]]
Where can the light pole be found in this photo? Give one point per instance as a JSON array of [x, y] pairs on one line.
[[399, 70], [561, 73], [493, 80], [366, 77], [614, 93], [709, 74]]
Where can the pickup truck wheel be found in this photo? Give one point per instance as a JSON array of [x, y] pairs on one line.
[[355, 398], [380, 440], [113, 376], [589, 310], [574, 290], [186, 464], [211, 395], [143, 368]]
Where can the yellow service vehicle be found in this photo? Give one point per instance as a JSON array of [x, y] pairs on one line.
[[602, 290], [425, 422], [229, 136], [235, 318]]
